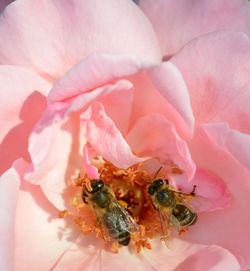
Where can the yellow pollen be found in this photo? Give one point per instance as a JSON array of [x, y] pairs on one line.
[[176, 170], [63, 214], [131, 192]]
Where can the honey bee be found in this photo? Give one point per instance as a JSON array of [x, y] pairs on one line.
[[175, 209], [112, 217]]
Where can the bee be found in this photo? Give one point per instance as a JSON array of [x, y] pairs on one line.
[[112, 217], [174, 207]]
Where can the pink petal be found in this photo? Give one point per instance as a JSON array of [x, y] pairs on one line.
[[211, 188], [213, 258], [186, 255], [117, 99], [55, 154], [153, 135], [92, 257], [93, 72], [169, 82], [4, 3], [163, 83], [118, 104], [22, 102], [84, 256], [91, 171], [229, 140], [219, 88], [50, 36], [9, 186], [40, 234], [55, 147], [228, 228], [100, 131], [178, 22]]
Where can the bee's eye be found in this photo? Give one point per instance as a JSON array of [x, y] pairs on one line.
[[96, 185], [151, 190], [158, 183], [166, 181]]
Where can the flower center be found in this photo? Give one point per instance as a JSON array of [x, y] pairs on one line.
[[130, 188]]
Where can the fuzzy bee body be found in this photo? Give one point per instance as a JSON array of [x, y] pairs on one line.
[[117, 225], [184, 215], [172, 205], [113, 217]]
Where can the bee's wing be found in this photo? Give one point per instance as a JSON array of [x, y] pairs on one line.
[[104, 233], [133, 227], [170, 227], [199, 204], [116, 220]]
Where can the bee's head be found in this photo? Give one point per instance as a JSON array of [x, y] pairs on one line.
[[155, 185], [96, 185]]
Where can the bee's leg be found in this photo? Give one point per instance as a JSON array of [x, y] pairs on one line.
[[154, 205], [99, 225], [98, 222], [183, 230], [191, 194], [193, 191], [115, 247], [84, 195], [103, 233]]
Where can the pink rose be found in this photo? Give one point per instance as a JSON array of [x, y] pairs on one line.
[[85, 78]]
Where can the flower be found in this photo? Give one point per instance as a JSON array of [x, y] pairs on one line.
[[84, 87]]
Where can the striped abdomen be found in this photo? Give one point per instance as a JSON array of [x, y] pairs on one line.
[[184, 215], [117, 225]]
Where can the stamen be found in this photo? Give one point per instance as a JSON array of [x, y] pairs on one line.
[[115, 247], [63, 214], [176, 170], [131, 189]]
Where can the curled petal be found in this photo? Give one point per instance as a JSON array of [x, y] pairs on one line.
[[117, 100], [20, 90], [93, 72], [100, 131], [91, 171], [219, 88], [163, 82], [229, 140], [155, 136], [53, 165], [55, 154], [211, 190], [169, 82], [229, 227], [178, 22], [51, 36]]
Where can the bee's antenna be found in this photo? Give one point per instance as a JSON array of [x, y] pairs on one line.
[[157, 172], [146, 182], [101, 173]]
